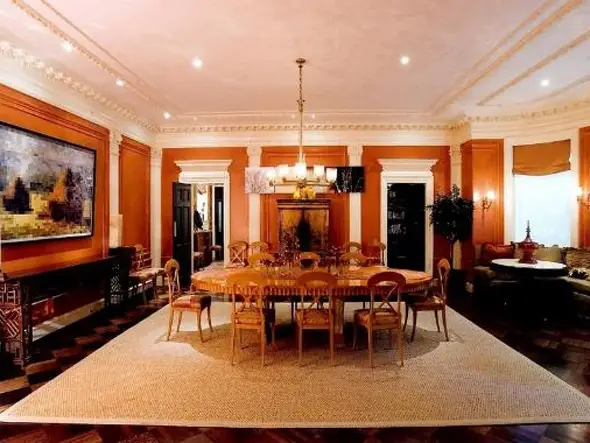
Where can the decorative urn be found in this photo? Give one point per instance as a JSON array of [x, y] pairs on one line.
[[528, 247]]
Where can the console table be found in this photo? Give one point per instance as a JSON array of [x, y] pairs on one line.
[[30, 297]]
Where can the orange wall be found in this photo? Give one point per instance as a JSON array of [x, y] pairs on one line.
[[26, 112], [585, 184], [238, 198], [482, 170], [339, 203], [134, 192], [371, 199]]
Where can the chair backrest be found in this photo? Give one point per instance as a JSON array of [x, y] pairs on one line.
[[172, 269], [247, 291], [353, 258], [259, 246], [384, 286], [444, 269], [261, 259], [238, 253], [314, 286], [378, 248], [352, 246], [312, 256]]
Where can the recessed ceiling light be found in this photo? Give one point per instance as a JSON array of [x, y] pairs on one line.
[[120, 82], [545, 82], [68, 47], [312, 115], [292, 116], [404, 60], [198, 63], [195, 118], [166, 115]]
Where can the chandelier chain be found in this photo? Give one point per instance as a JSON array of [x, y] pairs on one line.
[[300, 62]]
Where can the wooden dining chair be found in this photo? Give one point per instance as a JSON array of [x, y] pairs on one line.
[[259, 246], [179, 302], [353, 259], [436, 300], [260, 259], [352, 246], [384, 311], [377, 253], [316, 286], [249, 311], [238, 254], [308, 256]]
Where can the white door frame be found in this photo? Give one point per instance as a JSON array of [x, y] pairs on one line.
[[409, 171], [209, 172]]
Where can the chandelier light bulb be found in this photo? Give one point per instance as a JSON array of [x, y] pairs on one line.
[[283, 171], [318, 171], [300, 170], [331, 174]]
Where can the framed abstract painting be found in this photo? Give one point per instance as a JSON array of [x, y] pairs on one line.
[[46, 187]]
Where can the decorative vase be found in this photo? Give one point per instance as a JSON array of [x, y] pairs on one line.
[[528, 247]]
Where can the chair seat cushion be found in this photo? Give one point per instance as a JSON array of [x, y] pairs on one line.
[[147, 273], [192, 301], [433, 302], [380, 316], [313, 316], [252, 316]]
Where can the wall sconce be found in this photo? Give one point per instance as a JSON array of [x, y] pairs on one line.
[[486, 200], [583, 199]]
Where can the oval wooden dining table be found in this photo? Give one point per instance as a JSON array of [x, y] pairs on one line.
[[281, 284]]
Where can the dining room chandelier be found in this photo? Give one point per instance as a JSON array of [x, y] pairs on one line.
[[304, 177]]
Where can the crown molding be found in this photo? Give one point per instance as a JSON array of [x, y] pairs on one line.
[[38, 86]]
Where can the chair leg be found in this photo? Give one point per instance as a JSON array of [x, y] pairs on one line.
[[437, 324], [262, 342], [400, 345], [240, 343], [332, 342], [273, 328], [355, 336], [143, 293], [370, 334], [391, 339], [199, 312], [209, 317], [170, 321], [179, 321], [444, 319], [300, 335], [415, 317], [233, 341], [406, 317]]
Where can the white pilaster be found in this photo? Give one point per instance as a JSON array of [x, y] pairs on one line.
[[355, 153], [254, 153], [156, 205], [455, 154], [115, 227]]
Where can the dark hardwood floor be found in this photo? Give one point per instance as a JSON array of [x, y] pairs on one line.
[[563, 350]]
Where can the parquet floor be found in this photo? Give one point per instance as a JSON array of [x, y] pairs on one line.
[[563, 351]]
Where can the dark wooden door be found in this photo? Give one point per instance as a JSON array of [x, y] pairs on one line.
[[219, 221], [406, 226], [181, 226]]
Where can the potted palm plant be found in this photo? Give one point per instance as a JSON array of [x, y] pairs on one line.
[[451, 216]]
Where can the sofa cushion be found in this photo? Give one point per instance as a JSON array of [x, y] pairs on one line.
[[550, 253], [579, 285], [577, 258], [491, 252], [484, 271]]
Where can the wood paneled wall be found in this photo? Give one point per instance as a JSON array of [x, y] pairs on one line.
[[134, 192], [585, 184], [238, 200], [371, 199], [26, 112], [482, 170], [339, 203]]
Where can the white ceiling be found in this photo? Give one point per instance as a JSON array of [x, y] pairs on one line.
[[466, 56]]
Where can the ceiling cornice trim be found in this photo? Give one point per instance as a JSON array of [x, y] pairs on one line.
[[31, 62], [510, 52]]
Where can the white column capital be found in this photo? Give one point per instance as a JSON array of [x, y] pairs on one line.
[[114, 140], [455, 154], [355, 154], [254, 153], [156, 157]]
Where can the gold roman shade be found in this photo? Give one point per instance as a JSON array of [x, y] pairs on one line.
[[542, 158]]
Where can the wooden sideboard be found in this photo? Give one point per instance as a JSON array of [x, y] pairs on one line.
[[309, 219]]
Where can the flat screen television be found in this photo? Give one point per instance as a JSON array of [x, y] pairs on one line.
[[46, 187], [350, 179]]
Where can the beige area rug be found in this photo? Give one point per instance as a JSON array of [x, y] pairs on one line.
[[139, 378]]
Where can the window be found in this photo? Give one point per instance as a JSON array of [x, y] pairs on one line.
[[546, 202]]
